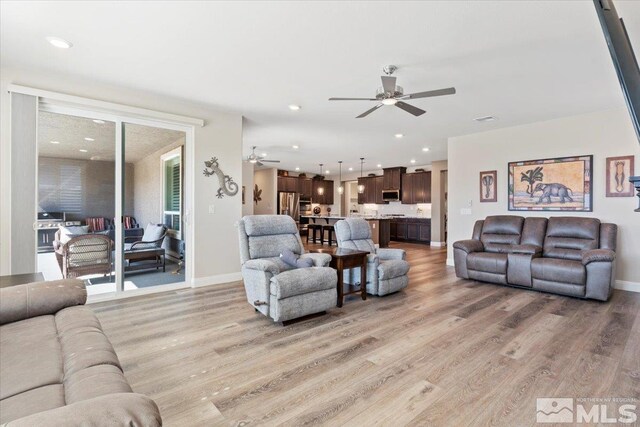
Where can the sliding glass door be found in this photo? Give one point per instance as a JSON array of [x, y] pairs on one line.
[[111, 200]]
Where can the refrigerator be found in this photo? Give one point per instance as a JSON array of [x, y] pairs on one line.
[[289, 204]]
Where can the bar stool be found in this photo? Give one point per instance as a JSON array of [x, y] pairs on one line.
[[330, 229], [313, 228]]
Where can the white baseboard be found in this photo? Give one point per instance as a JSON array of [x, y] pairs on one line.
[[438, 244], [216, 280], [627, 286], [450, 262]]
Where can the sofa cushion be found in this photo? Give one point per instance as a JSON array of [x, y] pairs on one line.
[[93, 382], [533, 231], [302, 281], [558, 270], [488, 262], [501, 231], [31, 401], [354, 233], [567, 237], [153, 232], [83, 346], [392, 268], [69, 232], [30, 355]]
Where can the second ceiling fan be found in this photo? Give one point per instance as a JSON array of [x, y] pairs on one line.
[[390, 94]]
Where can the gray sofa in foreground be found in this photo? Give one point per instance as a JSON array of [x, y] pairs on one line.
[[564, 255], [57, 368], [273, 287]]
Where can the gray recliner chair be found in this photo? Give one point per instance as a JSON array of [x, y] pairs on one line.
[[387, 270], [273, 287]]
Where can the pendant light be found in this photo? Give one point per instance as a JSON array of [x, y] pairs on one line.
[[320, 187], [340, 188], [361, 186]]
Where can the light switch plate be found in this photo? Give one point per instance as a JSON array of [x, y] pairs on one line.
[[212, 209], [465, 211]]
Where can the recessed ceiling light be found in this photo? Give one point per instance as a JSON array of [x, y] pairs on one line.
[[399, 135], [89, 139], [295, 147], [297, 168], [98, 121], [485, 119], [327, 171], [350, 169], [264, 154], [413, 160], [55, 142], [379, 165], [425, 149], [294, 107], [82, 150], [95, 158], [59, 43]]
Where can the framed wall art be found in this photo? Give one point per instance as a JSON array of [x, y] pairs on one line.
[[618, 171], [488, 186], [558, 184]]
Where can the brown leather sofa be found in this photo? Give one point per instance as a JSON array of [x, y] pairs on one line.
[[563, 255], [57, 368]]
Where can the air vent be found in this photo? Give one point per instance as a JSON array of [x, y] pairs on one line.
[[485, 119]]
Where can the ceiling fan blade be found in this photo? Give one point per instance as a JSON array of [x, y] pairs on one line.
[[389, 84], [430, 93], [352, 99], [269, 161], [258, 163], [410, 108], [369, 111]]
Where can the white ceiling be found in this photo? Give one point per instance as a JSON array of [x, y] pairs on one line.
[[522, 61], [69, 133]]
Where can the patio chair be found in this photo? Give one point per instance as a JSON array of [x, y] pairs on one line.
[[147, 248], [84, 254]]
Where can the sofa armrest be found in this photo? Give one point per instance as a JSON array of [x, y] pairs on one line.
[[526, 249], [469, 245], [118, 409], [598, 255], [319, 260], [262, 265], [40, 298], [389, 253]]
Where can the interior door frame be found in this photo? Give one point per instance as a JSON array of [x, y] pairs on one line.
[[121, 118]]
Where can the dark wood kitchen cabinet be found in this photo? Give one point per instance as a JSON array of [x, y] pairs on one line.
[[305, 188], [415, 230], [373, 186], [416, 188], [393, 178], [378, 183], [326, 198], [288, 183]]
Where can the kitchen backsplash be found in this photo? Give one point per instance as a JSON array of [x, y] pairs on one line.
[[419, 210]]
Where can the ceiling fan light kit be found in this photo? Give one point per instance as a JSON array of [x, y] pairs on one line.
[[258, 160], [391, 94]]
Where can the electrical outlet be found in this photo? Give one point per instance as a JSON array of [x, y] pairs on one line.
[[212, 209]]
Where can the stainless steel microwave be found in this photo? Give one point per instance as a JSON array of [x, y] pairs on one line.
[[391, 195]]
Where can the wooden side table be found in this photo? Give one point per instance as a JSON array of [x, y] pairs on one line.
[[344, 259]]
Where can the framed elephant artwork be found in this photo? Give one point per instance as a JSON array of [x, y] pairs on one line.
[[488, 186], [558, 184], [619, 169]]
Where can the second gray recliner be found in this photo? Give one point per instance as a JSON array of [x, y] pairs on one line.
[[387, 269]]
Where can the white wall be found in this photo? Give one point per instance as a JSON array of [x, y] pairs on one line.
[[216, 253], [603, 134], [267, 181]]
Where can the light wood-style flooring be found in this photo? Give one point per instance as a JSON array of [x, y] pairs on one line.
[[445, 352]]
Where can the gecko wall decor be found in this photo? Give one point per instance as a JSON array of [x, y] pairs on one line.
[[227, 185]]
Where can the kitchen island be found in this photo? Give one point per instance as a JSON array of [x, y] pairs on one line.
[[380, 226]]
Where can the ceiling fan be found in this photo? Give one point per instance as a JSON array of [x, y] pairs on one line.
[[390, 94], [258, 160]]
